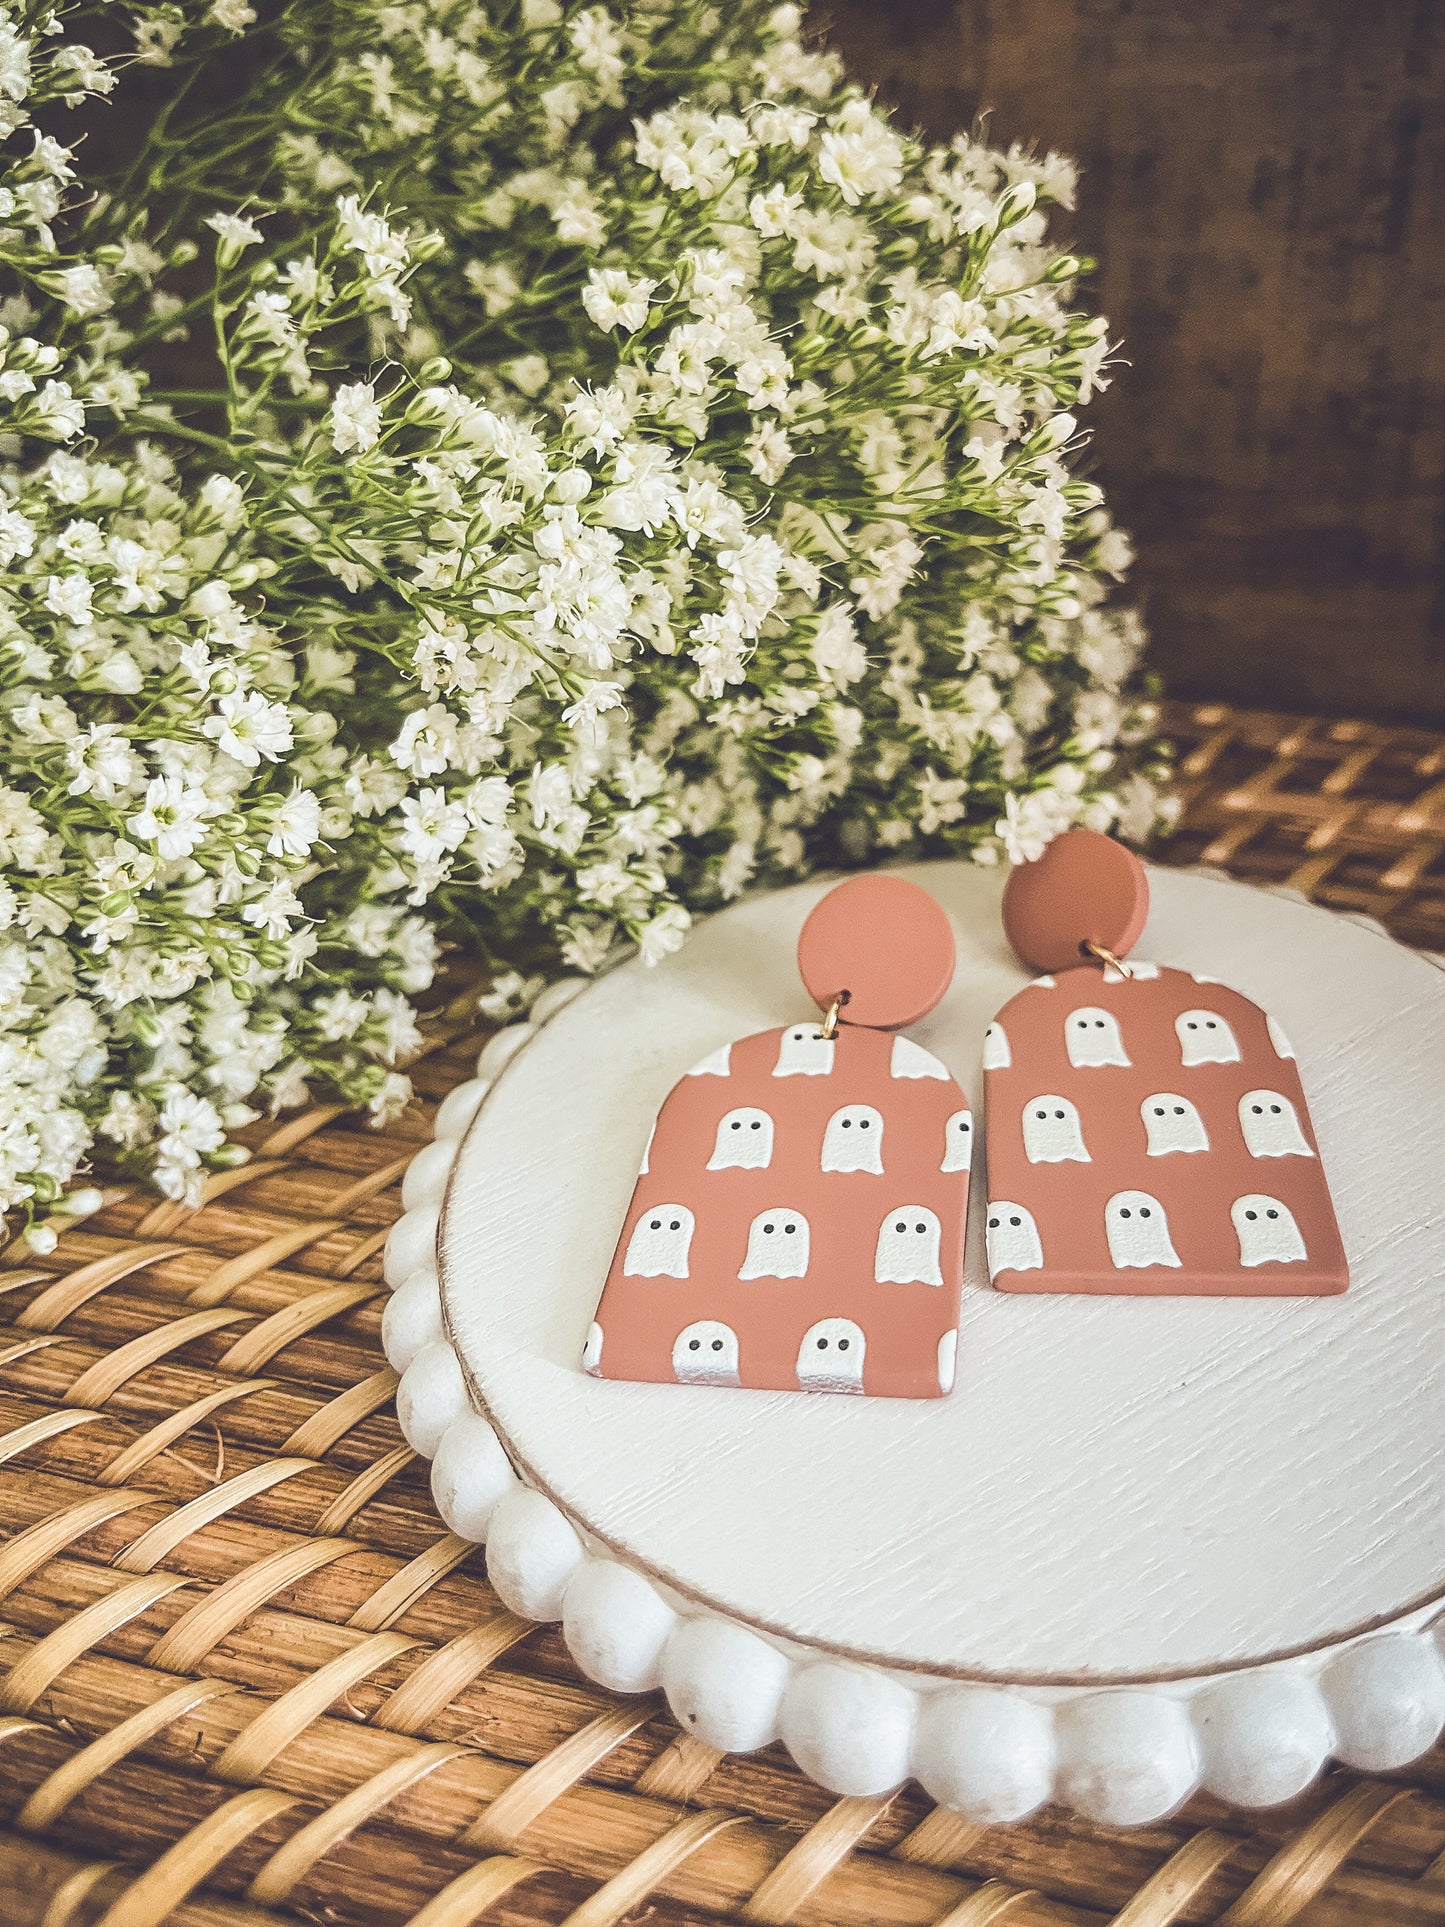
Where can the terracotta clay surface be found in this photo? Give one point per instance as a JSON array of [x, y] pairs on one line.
[[798, 1224], [1150, 1135], [1084, 888], [884, 941]]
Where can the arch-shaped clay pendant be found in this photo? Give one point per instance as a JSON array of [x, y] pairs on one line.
[[1147, 1129], [798, 1221]]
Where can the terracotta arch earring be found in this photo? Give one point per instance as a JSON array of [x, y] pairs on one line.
[[798, 1221], [1147, 1129]]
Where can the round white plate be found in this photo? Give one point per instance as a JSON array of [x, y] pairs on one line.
[[1120, 1492]]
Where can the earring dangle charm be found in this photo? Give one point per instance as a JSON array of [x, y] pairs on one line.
[[1147, 1129], [798, 1221]]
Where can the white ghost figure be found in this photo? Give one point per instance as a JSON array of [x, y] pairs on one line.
[[947, 1361], [803, 1051], [1173, 1124], [1052, 1132], [912, 1060], [744, 1141], [853, 1140], [706, 1354], [1267, 1232], [1091, 1037], [717, 1063], [830, 1358], [646, 1165], [592, 1350], [958, 1142], [1138, 1232], [1012, 1239], [1271, 1126], [1205, 1038], [907, 1250], [777, 1245], [996, 1054], [660, 1242], [1282, 1046]]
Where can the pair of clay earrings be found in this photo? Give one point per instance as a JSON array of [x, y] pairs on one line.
[[799, 1219]]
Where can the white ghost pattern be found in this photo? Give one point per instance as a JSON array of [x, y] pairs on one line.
[[1282, 1046], [777, 1245], [1138, 1232], [717, 1063], [744, 1141], [706, 1354], [958, 1143], [830, 1358], [853, 1140], [1205, 1038], [908, 1247], [592, 1350], [996, 1054], [1173, 1124], [803, 1051], [1091, 1036], [1052, 1132], [659, 1244], [1267, 1232], [947, 1361], [1012, 1239], [912, 1060], [1271, 1126]]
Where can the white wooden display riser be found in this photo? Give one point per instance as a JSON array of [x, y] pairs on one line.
[[1173, 1494]]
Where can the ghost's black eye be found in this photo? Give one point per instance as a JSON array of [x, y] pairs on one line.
[[920, 1227], [822, 1344], [1192, 1024], [1158, 1110], [993, 1224], [1015, 1220], [1143, 1211], [1179, 1110], [735, 1125], [1058, 1113], [1251, 1215], [863, 1123], [1209, 1024], [694, 1345], [1275, 1109], [717, 1344], [900, 1225], [1098, 1023], [656, 1225], [1271, 1214], [843, 1344], [789, 1229], [755, 1125], [767, 1231], [1040, 1113], [847, 1123], [676, 1225], [1125, 1212]]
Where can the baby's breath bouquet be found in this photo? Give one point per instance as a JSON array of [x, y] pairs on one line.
[[500, 472]]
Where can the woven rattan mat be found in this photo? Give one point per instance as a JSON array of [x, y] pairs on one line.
[[246, 1677]]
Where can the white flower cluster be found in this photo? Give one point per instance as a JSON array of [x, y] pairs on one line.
[[664, 489]]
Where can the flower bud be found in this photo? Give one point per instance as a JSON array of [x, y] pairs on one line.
[[82, 1204], [41, 1238], [1068, 267], [1015, 204], [572, 485], [437, 369]]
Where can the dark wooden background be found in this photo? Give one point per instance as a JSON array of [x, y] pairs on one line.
[[1264, 185]]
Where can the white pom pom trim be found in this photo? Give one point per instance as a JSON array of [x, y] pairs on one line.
[[1124, 1756]]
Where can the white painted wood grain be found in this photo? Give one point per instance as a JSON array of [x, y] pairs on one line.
[[1118, 1488]]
